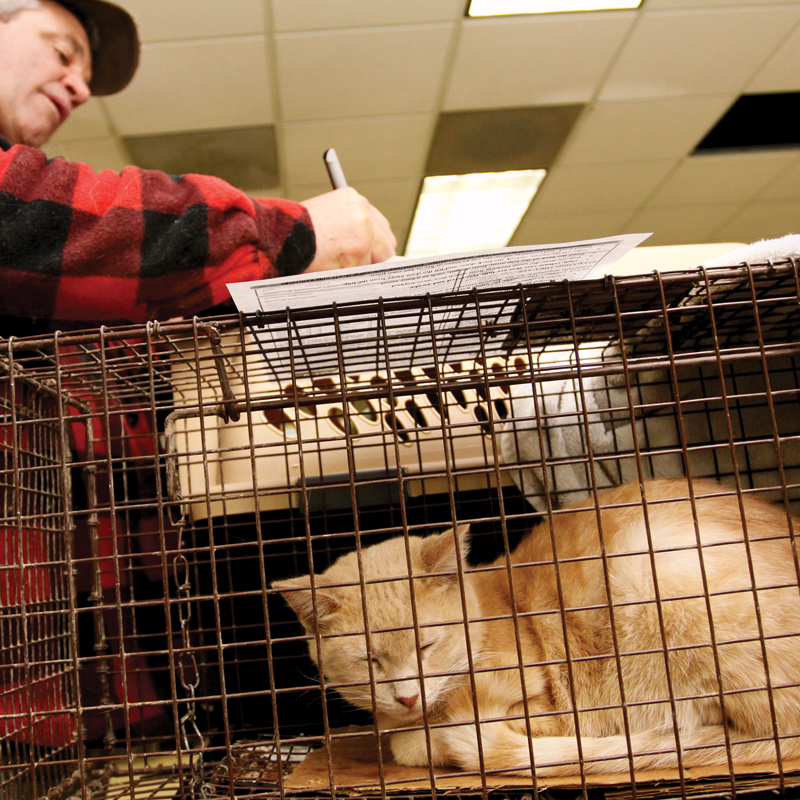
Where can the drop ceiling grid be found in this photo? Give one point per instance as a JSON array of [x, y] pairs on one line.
[[370, 78]]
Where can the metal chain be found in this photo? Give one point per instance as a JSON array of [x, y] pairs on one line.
[[187, 665]]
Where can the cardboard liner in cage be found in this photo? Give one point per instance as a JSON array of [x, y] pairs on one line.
[[357, 769]]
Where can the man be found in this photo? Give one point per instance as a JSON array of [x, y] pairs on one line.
[[79, 247], [76, 245]]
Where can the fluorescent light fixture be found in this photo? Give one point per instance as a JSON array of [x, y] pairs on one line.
[[470, 212], [497, 8]]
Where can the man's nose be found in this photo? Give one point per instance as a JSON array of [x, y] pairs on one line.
[[77, 87]]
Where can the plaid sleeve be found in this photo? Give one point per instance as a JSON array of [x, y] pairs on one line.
[[135, 245]]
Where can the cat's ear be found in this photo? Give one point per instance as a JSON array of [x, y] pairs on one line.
[[440, 553], [297, 593]]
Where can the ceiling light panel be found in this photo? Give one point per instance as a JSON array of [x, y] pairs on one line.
[[478, 211], [499, 8]]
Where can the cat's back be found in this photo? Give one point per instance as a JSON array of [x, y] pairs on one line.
[[663, 511], [680, 538], [709, 531]]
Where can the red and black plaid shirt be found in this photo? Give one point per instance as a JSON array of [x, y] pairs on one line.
[[138, 245]]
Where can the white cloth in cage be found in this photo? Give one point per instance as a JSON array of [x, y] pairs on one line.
[[570, 411], [567, 411], [760, 252]]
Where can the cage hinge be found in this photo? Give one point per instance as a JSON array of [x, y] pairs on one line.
[[229, 410]]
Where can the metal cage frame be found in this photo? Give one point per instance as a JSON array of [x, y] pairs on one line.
[[157, 478]]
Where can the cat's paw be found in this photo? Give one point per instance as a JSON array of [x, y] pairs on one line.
[[410, 749]]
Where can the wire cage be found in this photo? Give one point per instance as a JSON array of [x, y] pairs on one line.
[[164, 486]]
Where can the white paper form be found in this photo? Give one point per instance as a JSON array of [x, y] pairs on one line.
[[455, 328], [483, 269]]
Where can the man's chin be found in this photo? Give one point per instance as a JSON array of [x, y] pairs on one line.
[[39, 125], [36, 137]]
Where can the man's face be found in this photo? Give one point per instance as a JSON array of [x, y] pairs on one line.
[[45, 68]]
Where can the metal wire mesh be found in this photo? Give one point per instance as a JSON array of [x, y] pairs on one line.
[[38, 719], [156, 479]]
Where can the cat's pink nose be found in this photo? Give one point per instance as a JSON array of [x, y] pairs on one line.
[[409, 702]]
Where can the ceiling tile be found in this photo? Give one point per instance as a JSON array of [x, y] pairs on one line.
[[729, 178], [542, 60], [307, 15], [382, 147], [697, 52], [99, 154], [766, 220], [87, 122], [168, 20], [499, 139], [301, 192], [546, 229], [244, 157], [599, 187], [782, 72], [642, 130], [204, 85], [682, 224], [361, 73], [660, 5], [785, 187]]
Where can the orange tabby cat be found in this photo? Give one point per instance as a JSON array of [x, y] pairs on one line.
[[616, 667]]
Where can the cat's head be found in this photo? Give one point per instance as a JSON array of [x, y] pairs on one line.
[[395, 647]]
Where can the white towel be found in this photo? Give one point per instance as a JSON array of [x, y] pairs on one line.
[[547, 437], [718, 444], [760, 252], [550, 434]]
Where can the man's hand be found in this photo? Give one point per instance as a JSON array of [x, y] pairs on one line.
[[349, 231]]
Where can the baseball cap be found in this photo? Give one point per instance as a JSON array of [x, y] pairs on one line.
[[114, 40]]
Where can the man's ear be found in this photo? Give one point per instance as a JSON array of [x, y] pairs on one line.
[[297, 593], [443, 553]]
